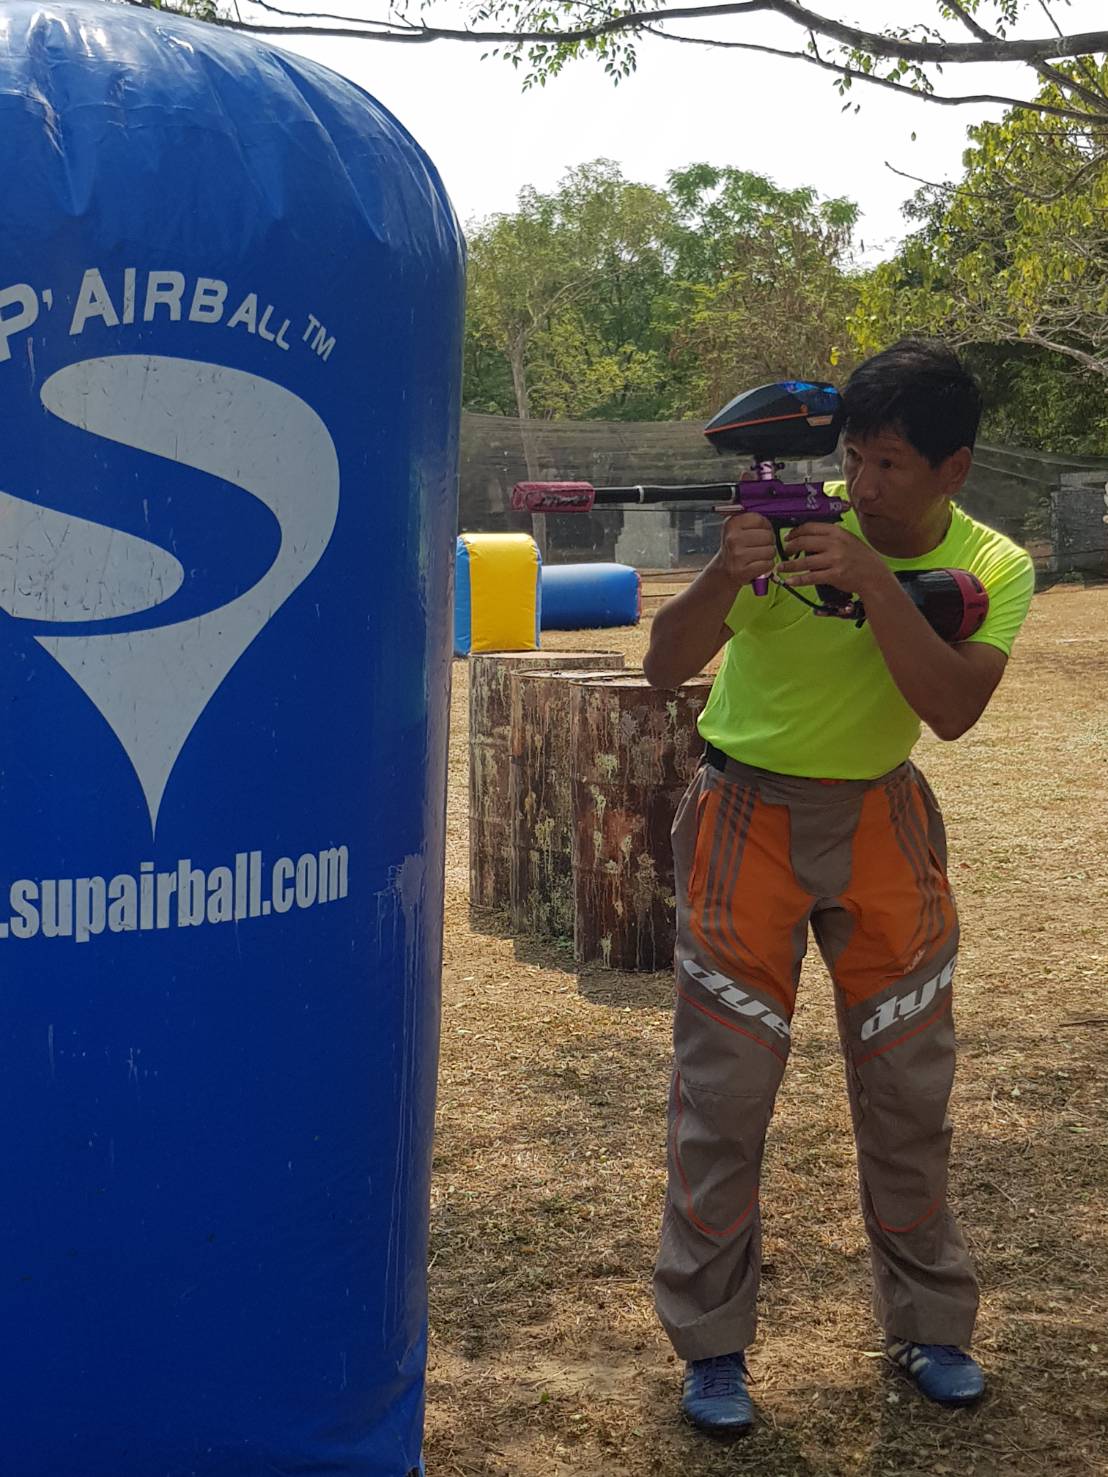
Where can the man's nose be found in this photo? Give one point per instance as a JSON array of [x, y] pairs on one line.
[[863, 487]]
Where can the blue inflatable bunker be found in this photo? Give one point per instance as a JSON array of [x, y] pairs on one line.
[[579, 597], [230, 331]]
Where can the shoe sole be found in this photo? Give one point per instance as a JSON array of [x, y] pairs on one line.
[[720, 1433], [962, 1403]]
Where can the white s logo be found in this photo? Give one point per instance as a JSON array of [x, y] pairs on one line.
[[152, 685]]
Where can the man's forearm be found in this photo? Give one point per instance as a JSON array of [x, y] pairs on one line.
[[934, 678], [686, 632]]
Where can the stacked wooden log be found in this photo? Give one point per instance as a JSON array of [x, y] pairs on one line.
[[577, 768], [541, 801], [490, 719], [635, 750]]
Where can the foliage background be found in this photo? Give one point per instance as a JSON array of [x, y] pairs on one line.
[[607, 299]]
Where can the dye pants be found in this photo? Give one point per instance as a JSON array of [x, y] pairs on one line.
[[761, 858]]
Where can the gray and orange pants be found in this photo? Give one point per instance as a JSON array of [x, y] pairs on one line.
[[760, 858]]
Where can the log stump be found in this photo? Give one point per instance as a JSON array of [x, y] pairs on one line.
[[541, 802], [636, 748], [490, 841]]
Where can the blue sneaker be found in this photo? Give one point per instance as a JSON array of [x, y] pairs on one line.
[[714, 1396], [942, 1372]]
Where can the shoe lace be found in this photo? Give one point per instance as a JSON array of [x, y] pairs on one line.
[[942, 1353], [723, 1375]]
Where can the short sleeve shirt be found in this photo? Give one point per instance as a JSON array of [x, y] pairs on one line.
[[806, 695]]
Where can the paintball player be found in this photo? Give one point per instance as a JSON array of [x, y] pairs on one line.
[[808, 812]]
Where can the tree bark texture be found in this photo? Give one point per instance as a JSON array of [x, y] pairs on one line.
[[541, 801], [490, 714], [636, 749]]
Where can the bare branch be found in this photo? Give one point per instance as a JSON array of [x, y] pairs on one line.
[[1070, 84], [971, 25], [999, 49], [854, 74], [1086, 65], [1090, 361], [934, 184], [1012, 187], [1046, 10], [992, 49], [313, 15]]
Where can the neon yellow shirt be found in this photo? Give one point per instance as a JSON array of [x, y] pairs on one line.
[[811, 695]]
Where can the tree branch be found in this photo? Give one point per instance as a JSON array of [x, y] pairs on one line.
[[994, 49], [320, 15], [923, 52], [971, 25], [1086, 64], [1070, 84], [934, 184], [1046, 10], [1014, 187], [1098, 366], [1047, 73], [855, 75]]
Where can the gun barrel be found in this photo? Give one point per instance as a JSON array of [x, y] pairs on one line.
[[781, 501], [645, 494], [580, 497]]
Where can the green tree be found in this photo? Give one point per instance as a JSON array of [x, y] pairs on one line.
[[1012, 261], [608, 299], [764, 283], [565, 291]]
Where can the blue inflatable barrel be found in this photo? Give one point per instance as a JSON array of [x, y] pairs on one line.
[[230, 328], [578, 597]]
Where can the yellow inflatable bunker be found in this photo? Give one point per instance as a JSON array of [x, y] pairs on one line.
[[497, 585]]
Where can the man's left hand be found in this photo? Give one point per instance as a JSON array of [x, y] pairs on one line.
[[832, 555]]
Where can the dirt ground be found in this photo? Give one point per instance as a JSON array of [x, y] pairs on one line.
[[546, 1359]]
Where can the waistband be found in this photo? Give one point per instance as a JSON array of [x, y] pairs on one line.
[[785, 787]]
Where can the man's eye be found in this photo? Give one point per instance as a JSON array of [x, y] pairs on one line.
[[886, 464]]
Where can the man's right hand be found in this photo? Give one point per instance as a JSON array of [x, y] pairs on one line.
[[747, 550], [692, 627]]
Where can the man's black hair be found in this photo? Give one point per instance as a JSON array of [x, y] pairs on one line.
[[919, 389]]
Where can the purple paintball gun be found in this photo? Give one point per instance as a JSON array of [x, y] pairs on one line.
[[800, 420], [796, 419], [785, 504]]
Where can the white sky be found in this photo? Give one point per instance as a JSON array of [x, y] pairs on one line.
[[686, 104]]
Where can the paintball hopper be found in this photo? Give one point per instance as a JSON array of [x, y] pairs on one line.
[[953, 601], [795, 419]]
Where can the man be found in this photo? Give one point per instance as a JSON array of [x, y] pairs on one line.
[[807, 812]]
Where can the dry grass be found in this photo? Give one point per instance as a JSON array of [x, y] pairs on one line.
[[545, 1355]]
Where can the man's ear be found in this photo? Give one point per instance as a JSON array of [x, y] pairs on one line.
[[955, 470]]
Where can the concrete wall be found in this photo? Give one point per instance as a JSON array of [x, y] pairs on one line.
[[1079, 525]]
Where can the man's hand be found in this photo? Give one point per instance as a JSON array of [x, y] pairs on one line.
[[948, 686], [691, 628], [832, 555], [746, 548]]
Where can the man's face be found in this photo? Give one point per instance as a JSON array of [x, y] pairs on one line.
[[894, 489]]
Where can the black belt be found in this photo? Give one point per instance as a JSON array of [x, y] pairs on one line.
[[715, 757]]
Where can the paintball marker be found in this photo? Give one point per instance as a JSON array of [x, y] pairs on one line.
[[799, 420]]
